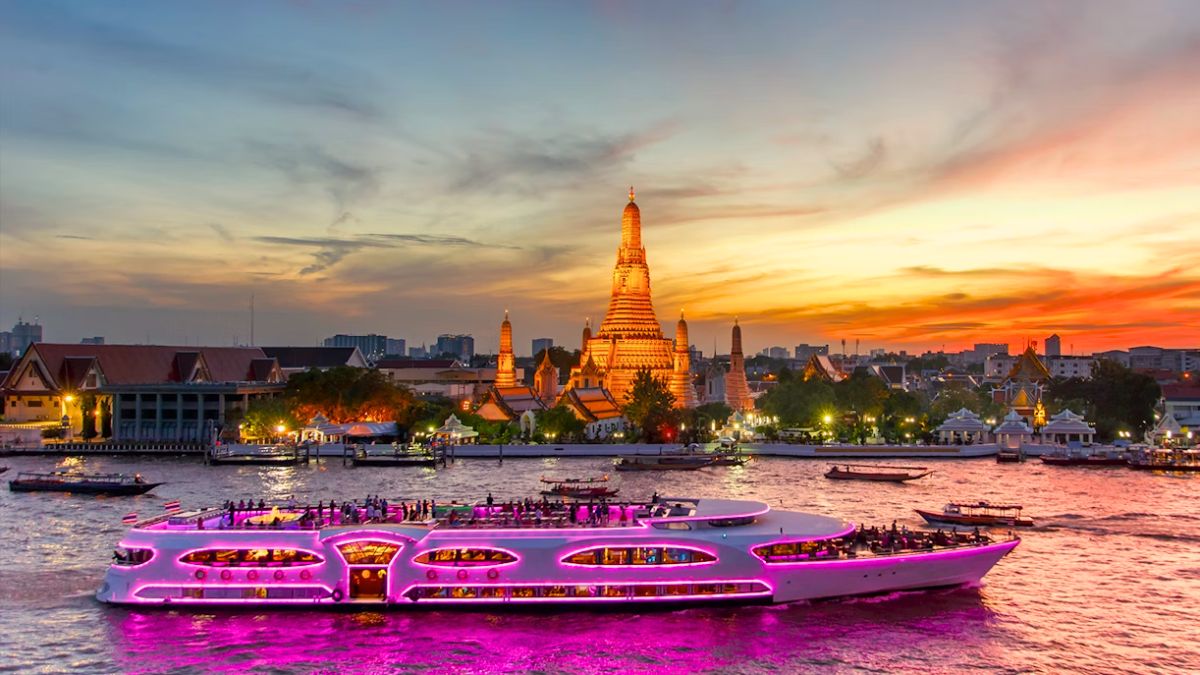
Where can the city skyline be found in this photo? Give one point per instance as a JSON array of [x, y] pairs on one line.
[[991, 173]]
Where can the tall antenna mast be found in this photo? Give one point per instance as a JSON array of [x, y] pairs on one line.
[[251, 319]]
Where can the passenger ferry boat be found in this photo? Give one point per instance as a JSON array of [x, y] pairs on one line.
[[981, 514], [81, 483], [667, 551], [578, 488]]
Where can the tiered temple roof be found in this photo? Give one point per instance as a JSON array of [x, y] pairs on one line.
[[630, 338]]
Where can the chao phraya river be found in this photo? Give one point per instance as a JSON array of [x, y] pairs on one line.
[[1108, 582]]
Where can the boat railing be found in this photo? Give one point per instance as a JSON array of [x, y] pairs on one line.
[[854, 548]]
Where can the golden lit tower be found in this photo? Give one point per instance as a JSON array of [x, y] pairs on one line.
[[630, 338], [506, 364], [737, 392], [681, 378]]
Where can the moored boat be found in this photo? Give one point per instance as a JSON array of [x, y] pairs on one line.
[[979, 514], [81, 483], [1008, 456], [872, 472], [1166, 459], [663, 462], [578, 488], [674, 551], [1086, 460]]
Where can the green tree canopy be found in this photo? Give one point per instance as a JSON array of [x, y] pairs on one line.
[[346, 394], [1116, 398], [265, 415], [799, 403], [560, 423], [649, 407], [861, 392]]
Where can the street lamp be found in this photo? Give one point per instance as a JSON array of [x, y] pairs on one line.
[[828, 419]]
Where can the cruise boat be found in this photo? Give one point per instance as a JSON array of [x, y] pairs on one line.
[[81, 483], [578, 488], [980, 514], [672, 550], [673, 462]]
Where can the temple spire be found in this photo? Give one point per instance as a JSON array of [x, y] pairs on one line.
[[631, 194]]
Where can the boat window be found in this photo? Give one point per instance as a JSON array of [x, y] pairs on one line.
[[465, 557], [673, 525], [731, 522], [132, 556], [369, 552], [231, 593], [599, 591], [637, 556], [792, 551], [251, 557]]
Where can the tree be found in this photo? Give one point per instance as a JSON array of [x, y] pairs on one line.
[[861, 392], [798, 402], [106, 430], [346, 394], [264, 416], [87, 405], [649, 407], [953, 398], [560, 422], [1117, 398], [706, 415]]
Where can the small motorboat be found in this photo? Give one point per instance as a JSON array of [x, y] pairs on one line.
[[736, 458], [979, 514], [1085, 460], [578, 488], [1166, 459], [81, 483], [3, 469], [663, 462], [888, 474]]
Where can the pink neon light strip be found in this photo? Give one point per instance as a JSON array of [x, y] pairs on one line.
[[885, 560], [253, 566], [851, 528], [143, 600], [637, 544], [767, 590], [730, 516]]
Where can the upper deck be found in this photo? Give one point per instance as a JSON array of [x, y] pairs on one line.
[[543, 514]]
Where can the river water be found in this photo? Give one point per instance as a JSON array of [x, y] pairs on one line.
[[1108, 581]]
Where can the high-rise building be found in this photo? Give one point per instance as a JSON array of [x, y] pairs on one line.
[[97, 340], [981, 351], [418, 352], [1054, 345], [805, 352], [461, 346], [22, 335], [540, 344], [372, 346], [395, 347]]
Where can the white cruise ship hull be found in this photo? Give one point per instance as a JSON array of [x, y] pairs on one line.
[[333, 566]]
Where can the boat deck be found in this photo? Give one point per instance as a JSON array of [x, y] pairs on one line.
[[548, 514]]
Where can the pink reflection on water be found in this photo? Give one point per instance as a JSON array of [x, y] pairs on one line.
[[770, 638]]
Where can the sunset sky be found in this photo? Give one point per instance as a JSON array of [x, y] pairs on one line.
[[911, 175]]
